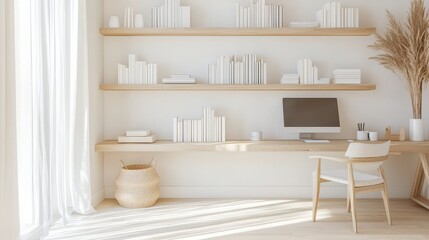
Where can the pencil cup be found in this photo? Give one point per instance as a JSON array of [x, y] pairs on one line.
[[373, 136], [362, 135]]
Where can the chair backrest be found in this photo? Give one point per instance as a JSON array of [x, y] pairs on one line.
[[377, 151]]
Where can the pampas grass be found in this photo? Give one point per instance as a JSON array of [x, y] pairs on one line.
[[405, 51]]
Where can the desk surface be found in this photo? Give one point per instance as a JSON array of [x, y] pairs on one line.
[[250, 146]]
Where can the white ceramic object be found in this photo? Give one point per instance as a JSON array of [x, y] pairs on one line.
[[137, 186], [362, 135], [417, 130], [256, 136], [373, 136], [114, 22], [138, 20]]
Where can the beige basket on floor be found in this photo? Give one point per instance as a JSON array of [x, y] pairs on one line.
[[137, 186]]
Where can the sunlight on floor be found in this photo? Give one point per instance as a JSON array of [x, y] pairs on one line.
[[190, 220]]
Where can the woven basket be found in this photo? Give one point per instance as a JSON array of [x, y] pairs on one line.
[[137, 186]]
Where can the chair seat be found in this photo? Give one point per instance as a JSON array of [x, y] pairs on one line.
[[361, 179]]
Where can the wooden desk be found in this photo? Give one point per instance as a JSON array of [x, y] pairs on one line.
[[422, 148]]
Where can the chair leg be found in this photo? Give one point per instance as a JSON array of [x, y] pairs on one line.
[[316, 189], [348, 199], [351, 186], [385, 195]]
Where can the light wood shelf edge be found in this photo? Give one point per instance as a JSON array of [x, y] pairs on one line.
[[248, 146], [237, 31], [218, 87]]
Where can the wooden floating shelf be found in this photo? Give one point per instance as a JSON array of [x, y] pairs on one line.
[[248, 146], [237, 31], [218, 87]]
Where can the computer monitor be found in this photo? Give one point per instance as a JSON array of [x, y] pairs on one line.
[[311, 115]]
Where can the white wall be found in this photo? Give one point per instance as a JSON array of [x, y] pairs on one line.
[[95, 57], [226, 175]]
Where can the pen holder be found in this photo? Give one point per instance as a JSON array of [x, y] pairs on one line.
[[362, 135]]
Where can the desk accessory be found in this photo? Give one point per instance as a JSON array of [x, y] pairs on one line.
[[394, 137], [373, 136], [114, 22], [361, 134], [256, 136]]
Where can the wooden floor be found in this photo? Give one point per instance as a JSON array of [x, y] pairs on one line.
[[247, 219]]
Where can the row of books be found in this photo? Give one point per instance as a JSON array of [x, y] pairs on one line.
[[347, 76], [129, 18], [210, 128], [137, 136], [179, 79], [235, 70], [308, 72], [171, 15], [259, 15], [137, 72], [332, 15]]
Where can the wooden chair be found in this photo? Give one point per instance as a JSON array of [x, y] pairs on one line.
[[361, 159]]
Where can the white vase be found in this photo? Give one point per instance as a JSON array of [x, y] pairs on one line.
[[416, 130]]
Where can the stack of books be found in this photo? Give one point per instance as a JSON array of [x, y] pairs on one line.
[[137, 72], [332, 15], [139, 136], [304, 24], [347, 76], [234, 70], [290, 79], [259, 15], [210, 128], [171, 15], [179, 79], [129, 18], [308, 73]]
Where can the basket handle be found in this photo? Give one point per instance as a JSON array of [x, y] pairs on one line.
[[123, 164], [153, 162]]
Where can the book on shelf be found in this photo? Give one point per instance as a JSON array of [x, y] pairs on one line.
[[347, 76], [259, 15], [137, 133], [137, 72], [304, 24], [333, 15], [210, 128], [171, 15], [235, 70], [308, 72], [179, 79], [147, 139]]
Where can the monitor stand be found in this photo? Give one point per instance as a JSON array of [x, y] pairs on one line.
[[305, 136]]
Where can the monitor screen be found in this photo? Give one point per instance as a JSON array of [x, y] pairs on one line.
[[311, 114]]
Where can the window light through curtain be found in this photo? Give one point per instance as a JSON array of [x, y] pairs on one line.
[[52, 113]]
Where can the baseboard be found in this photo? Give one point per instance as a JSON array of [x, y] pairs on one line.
[[263, 192], [97, 197]]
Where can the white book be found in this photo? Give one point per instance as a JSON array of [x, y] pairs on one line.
[[131, 67], [148, 139], [281, 17], [305, 71], [323, 81], [316, 74], [137, 133], [216, 129], [186, 16], [300, 68], [126, 75], [180, 131], [125, 17], [338, 12], [178, 81], [200, 131], [237, 14], [120, 74], [356, 17], [205, 124], [175, 130], [263, 18], [265, 73], [223, 129]]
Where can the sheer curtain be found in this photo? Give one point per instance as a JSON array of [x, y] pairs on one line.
[[52, 113]]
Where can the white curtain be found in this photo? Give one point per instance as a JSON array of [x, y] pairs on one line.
[[52, 112]]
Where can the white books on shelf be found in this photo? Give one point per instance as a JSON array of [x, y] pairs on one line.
[[210, 128], [171, 15], [137, 72], [347, 76], [234, 70], [137, 133], [259, 15], [304, 24], [128, 18], [332, 15], [147, 139]]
